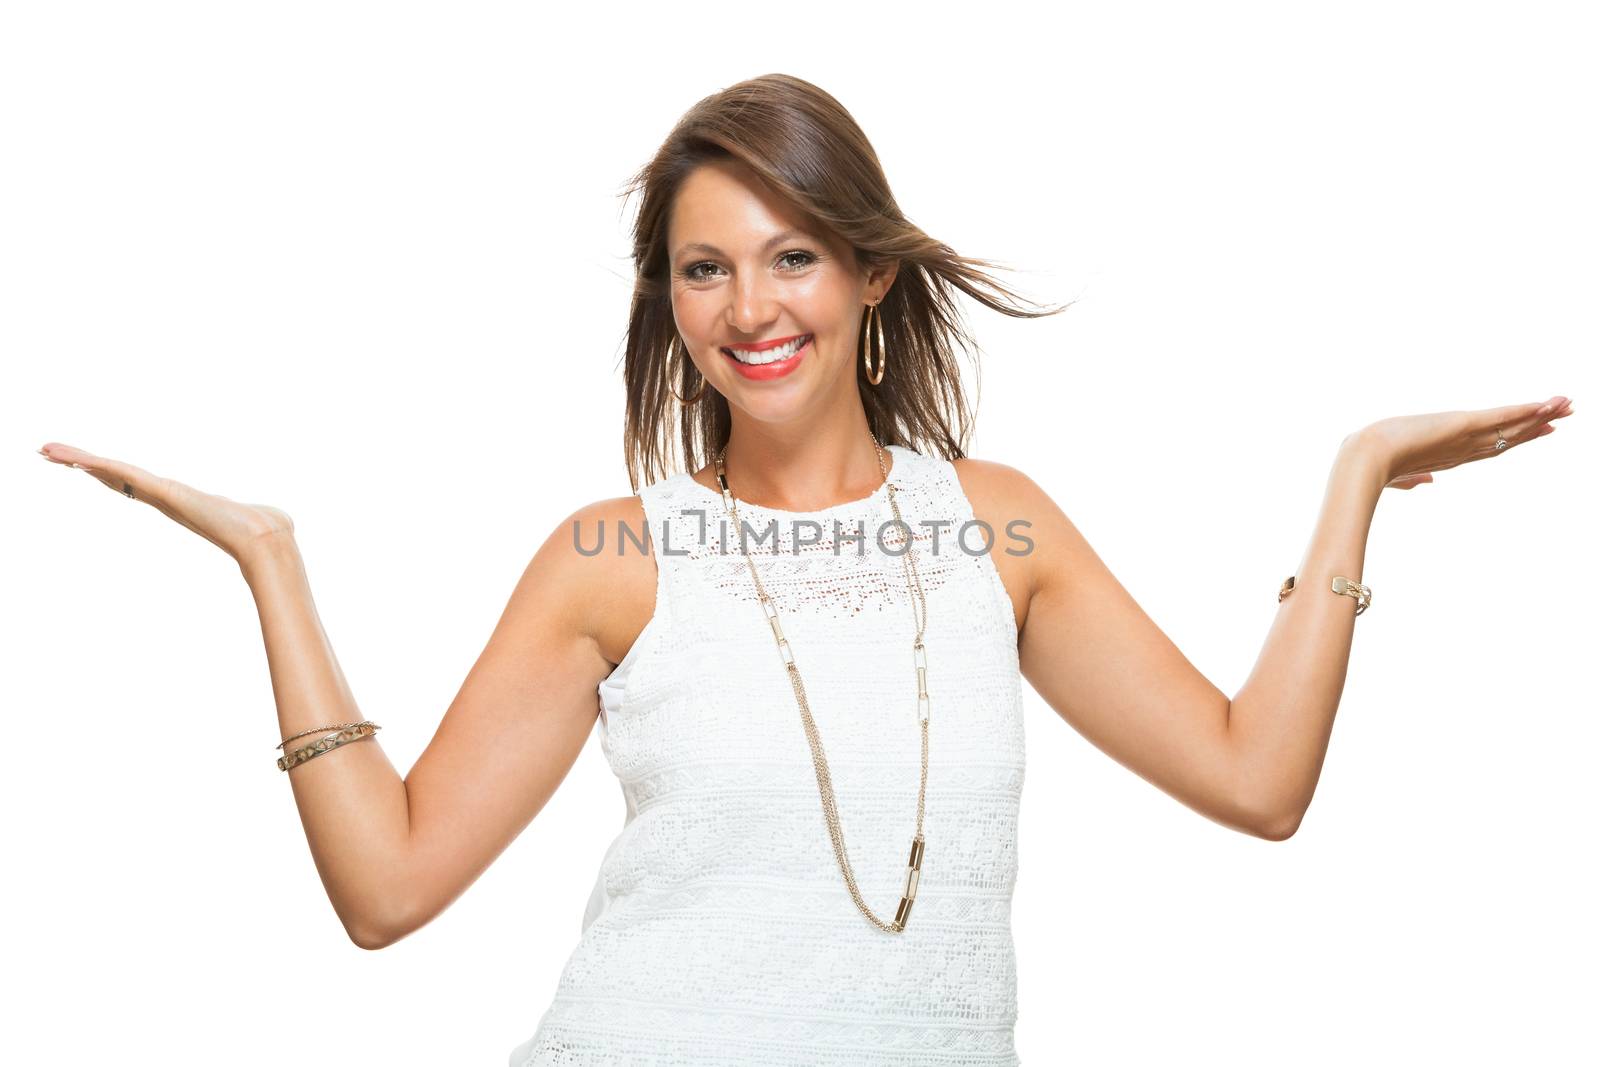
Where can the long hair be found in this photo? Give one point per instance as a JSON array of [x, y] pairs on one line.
[[807, 147]]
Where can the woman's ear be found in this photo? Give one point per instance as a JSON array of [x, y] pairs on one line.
[[879, 279]]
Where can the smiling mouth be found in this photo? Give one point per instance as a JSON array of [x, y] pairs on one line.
[[775, 354]]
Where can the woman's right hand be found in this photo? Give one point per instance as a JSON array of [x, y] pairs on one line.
[[236, 528]]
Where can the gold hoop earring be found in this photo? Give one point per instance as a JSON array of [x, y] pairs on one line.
[[677, 346], [874, 319]]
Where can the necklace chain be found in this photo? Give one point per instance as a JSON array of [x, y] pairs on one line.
[[830, 808]]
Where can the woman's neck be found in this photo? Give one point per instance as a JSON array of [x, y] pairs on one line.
[[807, 471]]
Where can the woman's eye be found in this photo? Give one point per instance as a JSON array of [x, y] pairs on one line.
[[793, 260], [692, 273]]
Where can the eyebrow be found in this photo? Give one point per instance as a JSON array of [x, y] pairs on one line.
[[775, 239]]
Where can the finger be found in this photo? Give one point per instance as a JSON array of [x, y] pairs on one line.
[[125, 478], [1518, 431], [1524, 436], [1515, 414], [1555, 407], [136, 483]]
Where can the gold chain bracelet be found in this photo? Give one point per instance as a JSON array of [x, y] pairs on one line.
[[1343, 586], [319, 729], [327, 744]]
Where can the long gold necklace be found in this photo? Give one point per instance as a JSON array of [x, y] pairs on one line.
[[830, 809]]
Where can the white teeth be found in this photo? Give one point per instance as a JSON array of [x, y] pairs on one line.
[[771, 355]]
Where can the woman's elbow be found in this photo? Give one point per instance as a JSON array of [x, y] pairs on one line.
[[1279, 825], [373, 932], [1255, 812], [373, 938]]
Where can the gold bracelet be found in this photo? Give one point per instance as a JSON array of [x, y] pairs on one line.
[[327, 744], [316, 729], [1341, 585]]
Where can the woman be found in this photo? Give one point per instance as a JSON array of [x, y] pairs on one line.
[[831, 615]]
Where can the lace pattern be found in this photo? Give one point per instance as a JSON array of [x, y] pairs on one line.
[[720, 930]]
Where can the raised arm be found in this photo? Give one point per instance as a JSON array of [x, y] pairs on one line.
[[525, 710], [1100, 662], [393, 853], [1252, 762]]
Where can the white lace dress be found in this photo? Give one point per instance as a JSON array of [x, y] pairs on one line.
[[720, 930]]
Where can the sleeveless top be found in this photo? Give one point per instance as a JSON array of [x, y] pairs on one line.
[[720, 930]]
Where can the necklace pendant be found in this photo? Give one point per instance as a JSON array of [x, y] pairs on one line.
[[913, 875]]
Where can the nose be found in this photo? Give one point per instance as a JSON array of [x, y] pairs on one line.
[[751, 304]]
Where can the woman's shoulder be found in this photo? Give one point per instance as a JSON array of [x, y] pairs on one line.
[[1019, 512], [999, 486], [608, 571]]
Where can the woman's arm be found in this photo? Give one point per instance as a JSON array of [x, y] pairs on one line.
[[1251, 763], [394, 853], [1100, 662], [1280, 720], [352, 801]]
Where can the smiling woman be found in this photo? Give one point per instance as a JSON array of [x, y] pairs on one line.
[[765, 218], [728, 923], [820, 742]]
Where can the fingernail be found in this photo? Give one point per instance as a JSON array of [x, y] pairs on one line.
[[1545, 410]]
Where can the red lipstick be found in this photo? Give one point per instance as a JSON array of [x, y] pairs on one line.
[[776, 369]]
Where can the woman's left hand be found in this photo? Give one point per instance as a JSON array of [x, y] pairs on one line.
[[1411, 447]]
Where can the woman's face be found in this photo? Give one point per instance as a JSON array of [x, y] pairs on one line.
[[748, 271]]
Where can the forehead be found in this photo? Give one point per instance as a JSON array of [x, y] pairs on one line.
[[724, 203]]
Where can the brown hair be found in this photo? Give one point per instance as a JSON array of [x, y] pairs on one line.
[[806, 146]]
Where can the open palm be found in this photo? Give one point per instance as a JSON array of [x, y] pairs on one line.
[[228, 524], [1414, 446]]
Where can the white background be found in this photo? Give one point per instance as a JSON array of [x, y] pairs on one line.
[[368, 263]]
